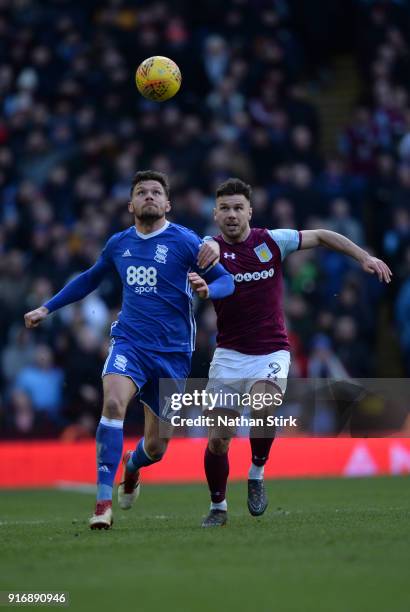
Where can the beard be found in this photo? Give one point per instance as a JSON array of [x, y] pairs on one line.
[[147, 216], [233, 230]]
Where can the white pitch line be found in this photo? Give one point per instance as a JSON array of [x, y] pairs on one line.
[[59, 520], [38, 522], [161, 516]]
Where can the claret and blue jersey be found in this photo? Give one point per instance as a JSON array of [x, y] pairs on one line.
[[252, 320]]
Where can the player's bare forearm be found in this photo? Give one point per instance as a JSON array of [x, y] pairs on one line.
[[337, 242], [332, 240]]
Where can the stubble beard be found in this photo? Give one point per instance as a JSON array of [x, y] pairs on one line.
[[235, 233], [148, 217]]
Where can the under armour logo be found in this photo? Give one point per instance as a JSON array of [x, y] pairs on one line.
[[229, 255]]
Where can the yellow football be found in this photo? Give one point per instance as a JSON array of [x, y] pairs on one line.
[[158, 78]]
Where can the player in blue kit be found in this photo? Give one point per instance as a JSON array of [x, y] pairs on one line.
[[154, 335]]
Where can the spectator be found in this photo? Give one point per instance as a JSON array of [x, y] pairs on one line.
[[73, 130], [402, 312], [39, 377], [351, 350], [398, 236], [216, 59], [302, 192], [18, 353], [322, 361], [302, 150], [341, 221], [83, 366], [358, 143]]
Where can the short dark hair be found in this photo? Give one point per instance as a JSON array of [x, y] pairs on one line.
[[150, 175], [233, 186]]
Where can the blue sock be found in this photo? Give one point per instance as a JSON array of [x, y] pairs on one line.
[[109, 440], [140, 458]]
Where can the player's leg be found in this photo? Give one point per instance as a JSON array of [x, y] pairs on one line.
[[152, 446], [216, 464], [223, 376], [174, 368], [118, 391], [274, 370], [261, 439], [150, 449]]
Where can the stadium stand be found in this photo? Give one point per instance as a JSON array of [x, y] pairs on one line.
[[73, 130]]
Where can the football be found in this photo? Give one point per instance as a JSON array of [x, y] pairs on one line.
[[158, 78]]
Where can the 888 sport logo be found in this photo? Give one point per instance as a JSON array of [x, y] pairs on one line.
[[144, 279]]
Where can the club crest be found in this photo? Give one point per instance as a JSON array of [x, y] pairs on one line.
[[161, 253], [263, 252]]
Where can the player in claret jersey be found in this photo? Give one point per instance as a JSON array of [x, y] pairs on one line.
[[252, 343], [155, 333]]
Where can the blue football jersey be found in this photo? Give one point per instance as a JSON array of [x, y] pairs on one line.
[[157, 311]]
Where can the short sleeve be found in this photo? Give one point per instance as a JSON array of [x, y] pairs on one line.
[[288, 240]]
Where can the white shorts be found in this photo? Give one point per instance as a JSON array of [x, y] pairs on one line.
[[245, 370]]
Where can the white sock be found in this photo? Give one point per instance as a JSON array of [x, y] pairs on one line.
[[219, 506], [256, 472]]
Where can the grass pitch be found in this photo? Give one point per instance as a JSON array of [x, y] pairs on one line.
[[323, 545]]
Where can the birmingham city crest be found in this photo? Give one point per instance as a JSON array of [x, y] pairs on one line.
[[161, 253]]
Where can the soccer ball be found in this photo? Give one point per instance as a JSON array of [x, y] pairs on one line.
[[158, 78]]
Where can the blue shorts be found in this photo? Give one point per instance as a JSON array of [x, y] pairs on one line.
[[145, 368]]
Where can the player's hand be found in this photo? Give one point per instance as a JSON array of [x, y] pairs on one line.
[[34, 317], [198, 285], [209, 254], [372, 265]]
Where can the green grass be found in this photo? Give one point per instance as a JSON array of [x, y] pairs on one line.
[[323, 545]]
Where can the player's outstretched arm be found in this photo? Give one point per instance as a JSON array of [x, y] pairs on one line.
[[337, 242], [75, 290]]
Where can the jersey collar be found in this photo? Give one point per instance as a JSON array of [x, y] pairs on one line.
[[232, 244], [152, 234]]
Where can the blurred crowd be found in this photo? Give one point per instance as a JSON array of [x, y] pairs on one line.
[[73, 131]]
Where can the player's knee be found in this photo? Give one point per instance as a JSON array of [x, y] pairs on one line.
[[155, 449], [114, 408], [219, 446]]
